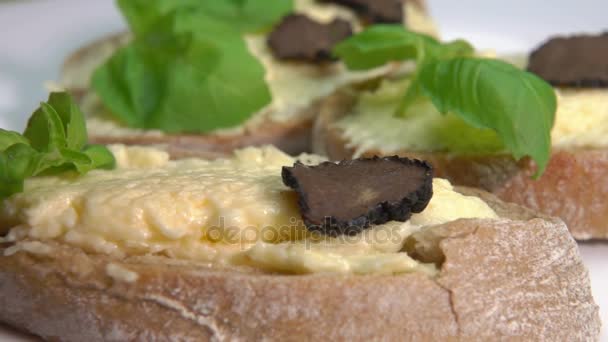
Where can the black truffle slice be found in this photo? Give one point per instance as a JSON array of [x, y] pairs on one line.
[[347, 197], [375, 11], [577, 61], [300, 38]]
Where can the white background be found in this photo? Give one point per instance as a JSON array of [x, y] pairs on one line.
[[35, 37]]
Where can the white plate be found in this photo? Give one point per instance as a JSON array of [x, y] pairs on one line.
[[35, 37]]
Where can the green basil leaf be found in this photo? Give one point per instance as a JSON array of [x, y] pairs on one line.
[[127, 89], [77, 160], [185, 82], [101, 157], [380, 44], [45, 129], [9, 138], [487, 94], [493, 94], [456, 48], [239, 15], [141, 15], [17, 163], [247, 15], [22, 159], [50, 162], [413, 94], [54, 142], [72, 119], [189, 68], [8, 185]]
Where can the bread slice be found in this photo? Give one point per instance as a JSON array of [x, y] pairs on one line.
[[292, 136], [517, 277], [572, 187]]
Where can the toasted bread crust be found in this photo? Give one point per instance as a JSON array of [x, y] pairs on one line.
[[293, 137], [519, 277], [571, 187]]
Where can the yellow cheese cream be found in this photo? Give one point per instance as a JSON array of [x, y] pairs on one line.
[[293, 86], [581, 121], [225, 212]]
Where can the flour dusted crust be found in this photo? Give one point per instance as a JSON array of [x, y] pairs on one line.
[[571, 187], [519, 277]]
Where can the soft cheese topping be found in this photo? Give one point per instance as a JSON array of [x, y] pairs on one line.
[[232, 211], [293, 86], [373, 126], [581, 120]]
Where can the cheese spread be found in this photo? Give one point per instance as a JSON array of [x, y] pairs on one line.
[[226, 212], [293, 86], [373, 126], [581, 121]]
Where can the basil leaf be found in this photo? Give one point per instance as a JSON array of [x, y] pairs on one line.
[[142, 15], [412, 95], [127, 88], [17, 162], [54, 142], [246, 15], [380, 44], [77, 160], [488, 94], [22, 160], [184, 82], [188, 68], [45, 130], [72, 119], [456, 48], [493, 94], [237, 15], [101, 157], [9, 138]]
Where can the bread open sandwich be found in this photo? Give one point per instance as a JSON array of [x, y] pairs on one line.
[[122, 243], [207, 78], [496, 116]]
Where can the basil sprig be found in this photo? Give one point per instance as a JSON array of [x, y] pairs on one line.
[[54, 141], [188, 68], [486, 93]]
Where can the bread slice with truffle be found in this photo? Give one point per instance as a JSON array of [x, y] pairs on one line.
[[571, 188], [287, 125], [507, 274], [518, 277]]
